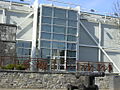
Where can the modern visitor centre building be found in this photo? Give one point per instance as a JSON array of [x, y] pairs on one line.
[[63, 35]]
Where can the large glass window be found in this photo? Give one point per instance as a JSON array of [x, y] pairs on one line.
[[71, 53], [71, 46], [45, 44], [46, 28], [46, 20], [19, 44], [58, 37], [58, 29], [72, 23], [23, 48], [72, 14], [44, 53], [71, 38], [19, 51], [58, 45], [71, 60], [59, 21], [60, 13], [57, 52], [46, 11], [26, 51], [27, 44], [45, 35], [24, 44], [72, 31]]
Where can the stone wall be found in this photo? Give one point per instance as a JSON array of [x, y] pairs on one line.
[[109, 82], [48, 80], [34, 80]]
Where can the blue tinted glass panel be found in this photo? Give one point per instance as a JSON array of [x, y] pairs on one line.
[[26, 51], [46, 28], [58, 37], [46, 11], [58, 29], [71, 54], [72, 31], [71, 46], [71, 68], [19, 51], [57, 52], [45, 35], [45, 44], [72, 14], [58, 45], [44, 53], [71, 38], [27, 44], [19, 44], [71, 60], [46, 20], [72, 23], [60, 13], [59, 21]]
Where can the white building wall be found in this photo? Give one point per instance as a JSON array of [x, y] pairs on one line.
[[16, 14], [110, 40]]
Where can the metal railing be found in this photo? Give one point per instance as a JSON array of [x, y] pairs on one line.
[[95, 66], [40, 63], [50, 65]]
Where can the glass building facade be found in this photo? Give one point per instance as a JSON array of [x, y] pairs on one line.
[[23, 48], [57, 37]]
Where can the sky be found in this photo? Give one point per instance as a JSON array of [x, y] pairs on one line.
[[100, 6]]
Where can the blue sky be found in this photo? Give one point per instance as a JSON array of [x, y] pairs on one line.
[[100, 6]]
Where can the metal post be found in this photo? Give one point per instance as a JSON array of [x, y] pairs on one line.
[[33, 66], [78, 27], [99, 51], [58, 60], [4, 17]]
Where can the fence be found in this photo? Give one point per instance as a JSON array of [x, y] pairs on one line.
[[39, 62], [47, 64], [95, 66]]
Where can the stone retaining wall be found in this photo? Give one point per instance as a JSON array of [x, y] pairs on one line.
[[109, 82], [34, 80], [47, 80]]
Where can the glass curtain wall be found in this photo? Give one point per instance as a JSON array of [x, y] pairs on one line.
[[58, 29], [23, 50]]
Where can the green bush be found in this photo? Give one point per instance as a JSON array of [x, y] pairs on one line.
[[3, 67], [13, 66], [20, 67], [9, 66]]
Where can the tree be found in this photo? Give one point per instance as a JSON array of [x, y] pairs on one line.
[[117, 8]]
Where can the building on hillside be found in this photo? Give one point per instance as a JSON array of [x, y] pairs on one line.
[[63, 33]]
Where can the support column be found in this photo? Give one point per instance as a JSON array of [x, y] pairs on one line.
[[4, 16], [78, 29], [99, 43], [33, 62]]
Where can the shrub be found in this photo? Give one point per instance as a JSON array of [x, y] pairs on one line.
[[3, 67], [20, 67], [13, 66], [9, 66]]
